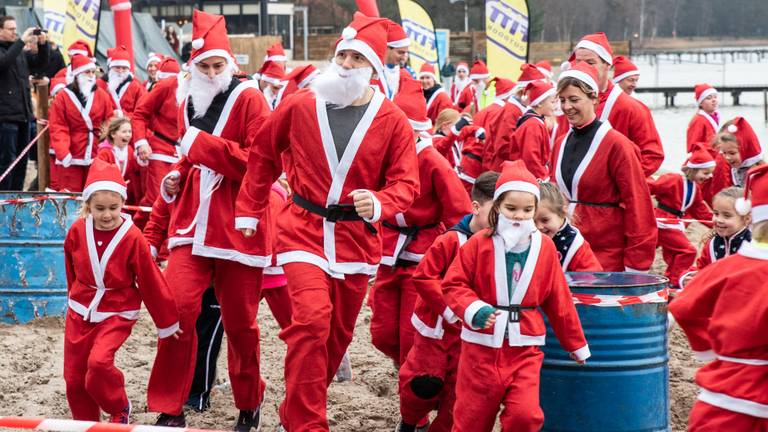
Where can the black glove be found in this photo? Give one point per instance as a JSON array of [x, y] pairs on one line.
[[461, 123]]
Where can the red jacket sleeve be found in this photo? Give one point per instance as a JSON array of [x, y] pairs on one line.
[[502, 141], [533, 139], [458, 286], [147, 105], [156, 229], [643, 132], [59, 127], [454, 201], [428, 277], [69, 263], [697, 132], [154, 290], [561, 312], [584, 260]]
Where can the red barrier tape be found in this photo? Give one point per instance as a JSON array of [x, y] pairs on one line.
[[44, 424], [18, 201], [618, 300]]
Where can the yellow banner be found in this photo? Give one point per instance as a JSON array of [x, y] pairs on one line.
[[506, 31], [418, 26], [54, 17], [82, 22]]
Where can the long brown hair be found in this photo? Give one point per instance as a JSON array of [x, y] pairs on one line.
[[111, 127]]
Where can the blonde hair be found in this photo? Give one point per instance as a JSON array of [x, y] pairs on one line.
[[446, 116], [760, 232], [84, 209], [579, 84], [111, 127], [556, 201], [690, 172]]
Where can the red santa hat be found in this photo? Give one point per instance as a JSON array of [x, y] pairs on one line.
[[154, 58], [537, 91], [118, 56], [479, 71], [428, 69], [79, 47], [167, 68], [703, 91], [749, 145], [104, 176], [516, 177], [596, 42], [583, 72], [368, 36], [529, 73], [700, 157], [755, 195], [209, 38], [275, 53], [272, 72], [57, 84], [302, 75], [504, 87], [545, 67], [623, 68], [396, 37], [410, 99], [462, 65], [80, 64]]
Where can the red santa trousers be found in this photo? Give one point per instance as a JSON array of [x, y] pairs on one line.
[[72, 178], [279, 302], [438, 358], [490, 377], [238, 290], [324, 314], [392, 301], [93, 382], [678, 253], [708, 418], [154, 173]]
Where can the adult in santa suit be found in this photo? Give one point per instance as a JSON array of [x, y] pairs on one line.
[[272, 82], [442, 201], [625, 114], [460, 81], [152, 66], [217, 118], [58, 83], [480, 93], [156, 132], [367, 171], [625, 74], [706, 123], [395, 70], [120, 83], [486, 117], [436, 96], [75, 118], [597, 169], [299, 78], [724, 313]]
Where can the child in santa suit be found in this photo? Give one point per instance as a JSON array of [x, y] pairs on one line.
[[706, 123], [461, 143], [407, 236], [552, 220], [678, 195], [501, 280], [741, 151], [724, 314], [110, 272], [75, 117], [119, 152], [427, 379], [731, 231]]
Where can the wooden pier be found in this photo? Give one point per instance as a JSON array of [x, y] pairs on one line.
[[671, 92]]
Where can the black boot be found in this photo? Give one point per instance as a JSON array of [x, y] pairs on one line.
[[248, 420], [168, 420]]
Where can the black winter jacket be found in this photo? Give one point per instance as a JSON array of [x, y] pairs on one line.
[[15, 64]]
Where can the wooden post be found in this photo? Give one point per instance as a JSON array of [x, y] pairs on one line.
[[43, 144], [765, 105]]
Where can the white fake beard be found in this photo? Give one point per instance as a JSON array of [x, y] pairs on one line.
[[460, 84], [116, 78], [340, 86], [514, 232], [85, 84], [203, 89], [480, 87]]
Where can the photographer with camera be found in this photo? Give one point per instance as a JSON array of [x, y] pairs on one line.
[[15, 103]]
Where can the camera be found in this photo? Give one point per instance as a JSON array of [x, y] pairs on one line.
[[37, 32]]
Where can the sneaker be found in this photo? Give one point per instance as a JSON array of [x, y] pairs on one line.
[[167, 420], [248, 420], [123, 417], [344, 373], [404, 427]]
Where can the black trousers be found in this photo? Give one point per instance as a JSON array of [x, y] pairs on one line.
[[210, 332], [14, 136]]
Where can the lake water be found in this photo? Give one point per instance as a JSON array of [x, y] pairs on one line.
[[673, 122]]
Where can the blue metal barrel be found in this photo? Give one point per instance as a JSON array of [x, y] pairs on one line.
[[624, 386], [33, 282]]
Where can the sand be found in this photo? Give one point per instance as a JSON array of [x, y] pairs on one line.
[[31, 382]]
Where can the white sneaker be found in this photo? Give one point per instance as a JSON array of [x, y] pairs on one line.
[[344, 373]]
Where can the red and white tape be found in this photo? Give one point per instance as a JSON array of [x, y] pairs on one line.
[[44, 424], [18, 201], [661, 296]]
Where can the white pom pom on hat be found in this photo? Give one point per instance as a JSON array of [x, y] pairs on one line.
[[733, 128], [198, 43], [743, 206], [348, 33]]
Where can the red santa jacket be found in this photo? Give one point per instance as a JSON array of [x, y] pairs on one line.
[[632, 119], [462, 149], [380, 158], [724, 314], [156, 229], [677, 197], [500, 133], [128, 166], [483, 117], [431, 314], [701, 129], [722, 178], [456, 89], [530, 143], [125, 97], [478, 277], [574, 252], [442, 201], [74, 126], [155, 120], [611, 200], [213, 166], [438, 102], [116, 284]]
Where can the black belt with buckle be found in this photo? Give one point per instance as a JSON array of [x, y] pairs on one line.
[[670, 210], [514, 311], [334, 212]]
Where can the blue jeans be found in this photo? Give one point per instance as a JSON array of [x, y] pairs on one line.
[[14, 136]]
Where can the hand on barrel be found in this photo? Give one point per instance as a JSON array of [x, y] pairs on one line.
[[574, 358], [491, 321], [363, 200]]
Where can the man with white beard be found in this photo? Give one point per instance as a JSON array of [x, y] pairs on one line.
[[480, 93], [351, 163], [75, 118], [218, 117], [120, 83]]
